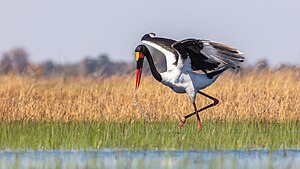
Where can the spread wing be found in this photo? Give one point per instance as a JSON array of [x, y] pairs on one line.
[[208, 55]]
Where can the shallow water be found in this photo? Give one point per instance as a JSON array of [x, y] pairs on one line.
[[107, 158]]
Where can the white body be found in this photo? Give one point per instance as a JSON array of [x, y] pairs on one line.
[[183, 79]]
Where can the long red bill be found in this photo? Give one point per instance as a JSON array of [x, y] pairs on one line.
[[138, 76]]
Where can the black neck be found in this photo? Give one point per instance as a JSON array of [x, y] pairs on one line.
[[153, 69]]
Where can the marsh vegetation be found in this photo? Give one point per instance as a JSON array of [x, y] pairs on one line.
[[256, 110]]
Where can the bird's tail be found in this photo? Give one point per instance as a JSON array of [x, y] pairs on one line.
[[226, 54]]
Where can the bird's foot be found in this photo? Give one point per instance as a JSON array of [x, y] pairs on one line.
[[182, 121], [199, 125]]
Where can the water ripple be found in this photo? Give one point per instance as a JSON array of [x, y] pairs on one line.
[[114, 158]]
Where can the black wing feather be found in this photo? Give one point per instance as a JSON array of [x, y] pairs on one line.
[[207, 55], [192, 48]]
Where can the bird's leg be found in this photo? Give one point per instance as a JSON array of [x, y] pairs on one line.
[[183, 119], [216, 101], [198, 117]]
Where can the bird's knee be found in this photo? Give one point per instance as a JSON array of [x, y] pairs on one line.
[[216, 101]]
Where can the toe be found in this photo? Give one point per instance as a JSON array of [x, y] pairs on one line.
[[182, 121], [199, 125]]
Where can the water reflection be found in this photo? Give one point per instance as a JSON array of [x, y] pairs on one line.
[[56, 159]]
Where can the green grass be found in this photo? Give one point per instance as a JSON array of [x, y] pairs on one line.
[[158, 135]]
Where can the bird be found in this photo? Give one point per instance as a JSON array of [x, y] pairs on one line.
[[192, 65]]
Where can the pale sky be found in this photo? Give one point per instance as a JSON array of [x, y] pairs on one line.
[[69, 30]]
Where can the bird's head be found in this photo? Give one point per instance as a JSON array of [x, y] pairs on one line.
[[140, 52]]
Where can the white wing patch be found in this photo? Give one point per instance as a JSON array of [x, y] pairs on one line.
[[170, 57]]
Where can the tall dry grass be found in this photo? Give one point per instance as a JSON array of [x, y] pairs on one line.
[[265, 96]]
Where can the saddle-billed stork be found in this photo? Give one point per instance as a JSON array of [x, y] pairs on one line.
[[185, 61]]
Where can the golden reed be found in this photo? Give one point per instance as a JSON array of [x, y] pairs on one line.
[[272, 96]]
